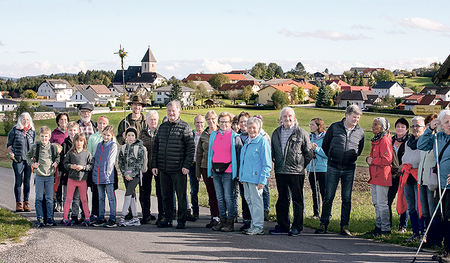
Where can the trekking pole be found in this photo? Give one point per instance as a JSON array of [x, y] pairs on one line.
[[315, 186], [429, 225], [438, 172]]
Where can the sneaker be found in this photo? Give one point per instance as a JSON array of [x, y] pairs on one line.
[[181, 225], [67, 222], [165, 224], [345, 231], [278, 231], [401, 229], [40, 223], [159, 221], [266, 215], [51, 222], [75, 220], [246, 225], [99, 222], [93, 219], [315, 217], [122, 222], [152, 217], [255, 231], [246, 230], [133, 222], [374, 232], [212, 223], [414, 237], [86, 222], [294, 232], [322, 229], [110, 223]]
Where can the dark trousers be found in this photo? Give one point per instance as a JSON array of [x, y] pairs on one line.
[[212, 198], [94, 201], [145, 192], [245, 210], [294, 183], [391, 196], [193, 182], [321, 178], [174, 181], [446, 221]]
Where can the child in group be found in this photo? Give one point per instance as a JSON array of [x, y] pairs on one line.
[[43, 157], [103, 176], [78, 161], [131, 160]]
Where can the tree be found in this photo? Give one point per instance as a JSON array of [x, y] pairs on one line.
[[387, 102], [190, 84], [246, 94], [280, 99], [404, 84], [233, 95], [174, 80], [259, 70], [301, 94], [356, 80], [326, 71], [29, 94], [323, 96], [277, 71], [294, 94], [361, 81], [176, 93], [201, 93], [300, 70], [218, 79], [371, 81], [384, 75], [313, 93]]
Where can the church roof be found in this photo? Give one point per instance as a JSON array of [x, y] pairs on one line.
[[149, 56]]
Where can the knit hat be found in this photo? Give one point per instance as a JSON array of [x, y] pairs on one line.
[[131, 129], [384, 123]]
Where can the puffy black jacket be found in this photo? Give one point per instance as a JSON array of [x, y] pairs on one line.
[[20, 142], [173, 147], [342, 151], [297, 153]]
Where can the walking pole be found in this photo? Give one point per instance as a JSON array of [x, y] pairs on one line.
[[429, 225], [315, 186], [438, 171]]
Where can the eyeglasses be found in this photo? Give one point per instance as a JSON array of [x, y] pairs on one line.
[[223, 122], [417, 126]]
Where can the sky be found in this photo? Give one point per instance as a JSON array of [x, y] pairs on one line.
[[67, 36]]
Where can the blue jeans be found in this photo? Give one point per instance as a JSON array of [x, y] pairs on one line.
[[411, 196], [266, 198], [22, 168], [109, 188], [333, 176], [44, 183], [194, 189], [225, 191]]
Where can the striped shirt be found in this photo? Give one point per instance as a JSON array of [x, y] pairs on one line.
[[285, 134]]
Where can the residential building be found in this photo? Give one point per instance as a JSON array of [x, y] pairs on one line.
[[391, 88], [240, 85], [362, 98], [419, 99], [442, 92], [161, 95], [205, 77], [265, 94], [89, 95], [320, 75], [338, 84], [8, 105], [370, 71], [57, 89], [208, 86]]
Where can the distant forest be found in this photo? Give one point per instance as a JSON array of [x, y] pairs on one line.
[[91, 77]]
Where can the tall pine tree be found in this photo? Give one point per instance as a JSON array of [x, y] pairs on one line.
[[176, 93], [323, 96]]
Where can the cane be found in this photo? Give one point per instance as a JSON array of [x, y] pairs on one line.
[[429, 225], [438, 172]]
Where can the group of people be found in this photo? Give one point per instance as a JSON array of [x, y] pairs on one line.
[[233, 155]]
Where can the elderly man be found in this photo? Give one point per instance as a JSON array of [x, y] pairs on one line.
[[343, 143], [291, 153], [199, 123], [135, 119], [87, 126], [147, 136], [173, 154]]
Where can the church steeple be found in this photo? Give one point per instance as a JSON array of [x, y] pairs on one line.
[[148, 63]]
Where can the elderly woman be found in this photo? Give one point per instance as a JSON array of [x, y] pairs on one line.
[[379, 162], [317, 168], [20, 139], [202, 165], [256, 164], [426, 143], [222, 167]]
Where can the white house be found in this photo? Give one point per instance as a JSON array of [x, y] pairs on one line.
[[89, 96], [442, 92], [57, 89], [391, 88], [161, 95], [8, 105], [240, 85], [362, 98]]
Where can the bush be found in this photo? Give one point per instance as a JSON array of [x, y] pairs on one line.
[[43, 108], [9, 121], [119, 104], [161, 105]]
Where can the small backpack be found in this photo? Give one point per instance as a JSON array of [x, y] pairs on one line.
[[144, 167]]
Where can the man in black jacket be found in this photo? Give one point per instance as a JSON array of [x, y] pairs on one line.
[[173, 154], [291, 153], [343, 143]]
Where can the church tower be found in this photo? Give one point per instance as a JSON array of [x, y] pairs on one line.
[[148, 63]]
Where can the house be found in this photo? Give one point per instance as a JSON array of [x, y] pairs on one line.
[[211, 102], [240, 85], [265, 94], [370, 71], [145, 74], [57, 89], [362, 98], [419, 99], [391, 88], [320, 75], [8, 105], [4, 94], [201, 76], [443, 92], [208, 86], [161, 95], [355, 88], [89, 95], [280, 81], [359, 69], [338, 84]]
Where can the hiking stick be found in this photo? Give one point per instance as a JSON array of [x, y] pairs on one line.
[[438, 172]]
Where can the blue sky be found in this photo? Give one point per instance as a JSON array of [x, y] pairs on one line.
[[43, 37]]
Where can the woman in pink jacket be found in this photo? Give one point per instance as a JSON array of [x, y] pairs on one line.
[[379, 162]]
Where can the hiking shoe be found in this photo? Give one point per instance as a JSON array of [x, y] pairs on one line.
[[414, 237], [212, 223], [26, 206], [294, 232], [229, 226], [122, 222], [189, 216], [86, 222], [51, 222], [345, 231], [278, 231], [19, 207], [160, 220], [40, 223], [440, 254], [255, 231], [165, 224], [181, 225], [133, 222], [246, 225], [322, 229], [374, 232], [99, 222], [401, 229], [220, 224], [110, 223], [152, 217], [67, 222], [266, 215]]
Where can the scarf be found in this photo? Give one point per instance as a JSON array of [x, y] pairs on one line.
[[384, 123], [314, 138], [401, 139], [379, 135], [412, 143], [25, 129]]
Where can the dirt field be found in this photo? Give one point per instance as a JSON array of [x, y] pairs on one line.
[[3, 151]]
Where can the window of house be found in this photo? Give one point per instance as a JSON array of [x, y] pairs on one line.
[[159, 99], [81, 97], [76, 97], [159, 93]]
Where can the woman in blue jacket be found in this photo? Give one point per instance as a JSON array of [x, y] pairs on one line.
[[256, 164], [317, 168]]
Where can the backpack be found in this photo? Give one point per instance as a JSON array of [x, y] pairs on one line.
[[395, 165], [144, 167]]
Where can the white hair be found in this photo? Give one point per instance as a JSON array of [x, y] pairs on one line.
[[252, 120], [442, 114], [19, 121], [174, 103], [151, 113], [418, 119], [286, 108]]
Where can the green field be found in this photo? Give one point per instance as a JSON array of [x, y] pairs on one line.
[[418, 81]]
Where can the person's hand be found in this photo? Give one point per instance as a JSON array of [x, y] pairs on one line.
[[434, 123], [313, 146], [185, 171], [260, 186], [35, 165], [128, 177], [79, 167], [369, 160], [55, 164], [155, 171], [73, 166]]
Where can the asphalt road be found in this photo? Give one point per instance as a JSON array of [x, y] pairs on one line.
[[147, 243]]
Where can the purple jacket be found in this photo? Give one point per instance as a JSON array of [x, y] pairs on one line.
[[58, 136]]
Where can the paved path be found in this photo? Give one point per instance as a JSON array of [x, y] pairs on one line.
[[147, 243]]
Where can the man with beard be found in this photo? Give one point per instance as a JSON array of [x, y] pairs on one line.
[[135, 119]]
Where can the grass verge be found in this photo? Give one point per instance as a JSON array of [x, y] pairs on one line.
[[12, 226]]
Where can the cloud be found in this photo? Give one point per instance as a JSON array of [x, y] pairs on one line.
[[395, 32], [362, 27], [323, 34], [28, 52], [216, 66], [1, 44], [421, 23], [18, 70]]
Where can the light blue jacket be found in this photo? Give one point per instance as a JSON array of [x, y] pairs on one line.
[[320, 161], [427, 142], [256, 161], [234, 158]]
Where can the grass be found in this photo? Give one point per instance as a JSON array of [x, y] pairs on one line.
[[12, 226], [418, 81]]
